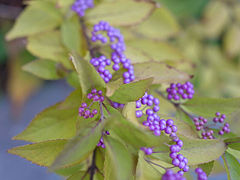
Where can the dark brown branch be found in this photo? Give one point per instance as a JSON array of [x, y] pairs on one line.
[[93, 166]]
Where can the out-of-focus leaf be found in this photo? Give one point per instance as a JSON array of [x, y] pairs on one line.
[[232, 166], [207, 167], [72, 79], [48, 45], [160, 25], [161, 73], [43, 153], [88, 76], [146, 170], [118, 161], [129, 112], [197, 151], [207, 107], [42, 68], [142, 50], [39, 16], [213, 21], [131, 91], [78, 148], [71, 34], [20, 85], [128, 12], [235, 146], [232, 41]]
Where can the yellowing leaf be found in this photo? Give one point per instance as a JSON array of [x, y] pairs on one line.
[[71, 34], [160, 25], [42, 68], [39, 16], [161, 73], [50, 124], [43, 153], [120, 12], [48, 45], [142, 50]]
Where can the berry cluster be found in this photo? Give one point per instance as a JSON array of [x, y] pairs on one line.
[[80, 6], [178, 160], [201, 175], [85, 110], [199, 122], [207, 133], [178, 91], [100, 63], [117, 45], [158, 125], [170, 175], [220, 119], [101, 141]]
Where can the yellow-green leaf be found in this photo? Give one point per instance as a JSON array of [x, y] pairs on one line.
[[161, 73], [120, 12], [43, 153], [43, 68], [232, 166], [160, 25], [48, 45], [39, 16]]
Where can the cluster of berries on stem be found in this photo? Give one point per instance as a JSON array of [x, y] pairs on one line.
[[201, 175], [178, 91], [170, 175], [117, 45], [85, 110], [80, 6]]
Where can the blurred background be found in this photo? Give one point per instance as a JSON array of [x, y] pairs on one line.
[[207, 34]]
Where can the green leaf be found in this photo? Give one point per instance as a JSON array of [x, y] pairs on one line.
[[161, 73], [118, 163], [72, 79], [55, 122], [88, 76], [235, 146], [71, 34], [43, 68], [146, 170], [79, 175], [48, 45], [204, 106], [79, 147], [127, 12], [39, 16], [141, 137], [142, 50], [207, 167], [235, 153], [129, 112], [131, 91], [197, 151], [160, 25], [42, 154], [232, 166], [50, 124], [72, 169]]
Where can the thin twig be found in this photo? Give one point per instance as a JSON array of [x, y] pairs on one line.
[[93, 166]]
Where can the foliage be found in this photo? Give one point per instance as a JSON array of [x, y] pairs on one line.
[[67, 143]]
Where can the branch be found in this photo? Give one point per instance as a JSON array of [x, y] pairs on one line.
[[93, 166]]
